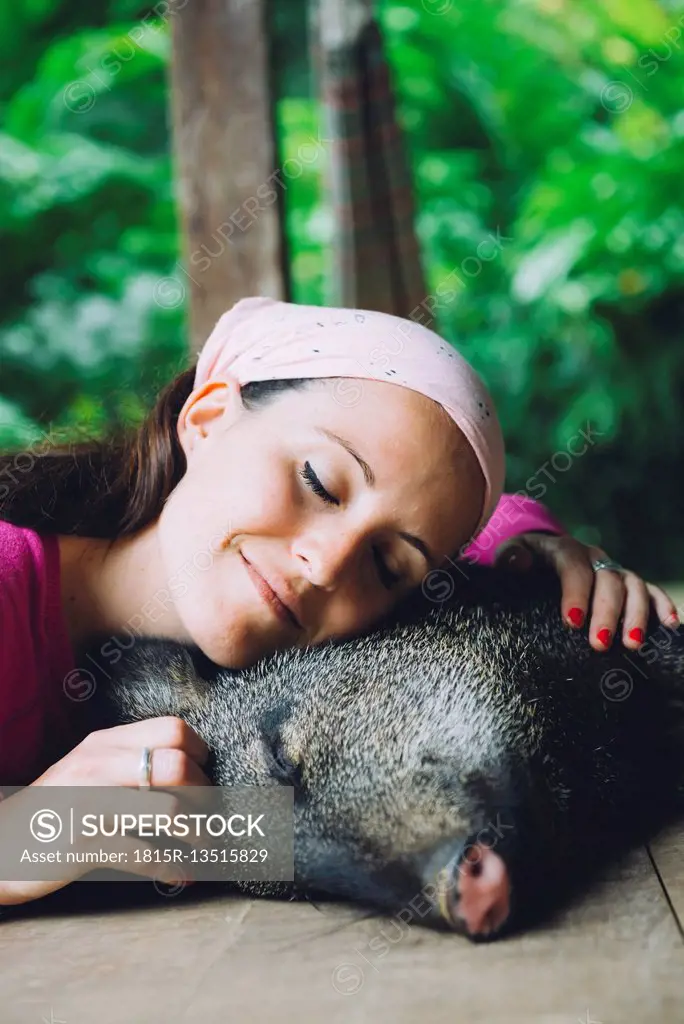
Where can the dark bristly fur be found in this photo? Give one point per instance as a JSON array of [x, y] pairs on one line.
[[484, 713]]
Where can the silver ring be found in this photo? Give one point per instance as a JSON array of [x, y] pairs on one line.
[[607, 563], [145, 771]]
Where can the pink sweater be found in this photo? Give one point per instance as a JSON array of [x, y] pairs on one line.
[[42, 712], [37, 718]]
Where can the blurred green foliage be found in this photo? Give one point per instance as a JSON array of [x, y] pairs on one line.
[[555, 127]]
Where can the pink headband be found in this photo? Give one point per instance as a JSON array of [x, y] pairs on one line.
[[264, 339]]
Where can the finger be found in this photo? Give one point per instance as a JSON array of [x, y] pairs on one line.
[[13, 893], [166, 731], [665, 607], [169, 769], [514, 554], [607, 604], [570, 559], [150, 801], [147, 802], [142, 858], [157, 806], [128, 855], [637, 610]]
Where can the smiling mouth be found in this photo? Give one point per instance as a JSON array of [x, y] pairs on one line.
[[270, 597]]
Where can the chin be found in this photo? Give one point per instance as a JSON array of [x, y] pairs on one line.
[[232, 652]]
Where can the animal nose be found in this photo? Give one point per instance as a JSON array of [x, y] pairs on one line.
[[474, 893]]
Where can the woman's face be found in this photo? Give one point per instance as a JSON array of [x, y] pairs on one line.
[[274, 500]]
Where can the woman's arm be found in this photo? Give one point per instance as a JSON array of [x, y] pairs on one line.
[[521, 528], [514, 514], [111, 757]]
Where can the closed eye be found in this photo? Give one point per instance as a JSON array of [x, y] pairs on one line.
[[316, 486], [286, 771], [388, 578]]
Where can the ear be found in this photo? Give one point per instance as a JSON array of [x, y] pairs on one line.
[[217, 402]]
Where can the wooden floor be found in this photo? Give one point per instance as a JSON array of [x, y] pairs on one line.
[[616, 956]]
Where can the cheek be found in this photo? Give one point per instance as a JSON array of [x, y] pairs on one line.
[[238, 484], [254, 494], [222, 615], [349, 614], [202, 571], [193, 523], [213, 609], [270, 493], [192, 553]]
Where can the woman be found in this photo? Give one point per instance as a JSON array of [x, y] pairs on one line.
[[280, 495]]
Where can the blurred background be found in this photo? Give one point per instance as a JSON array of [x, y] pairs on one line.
[[555, 127]]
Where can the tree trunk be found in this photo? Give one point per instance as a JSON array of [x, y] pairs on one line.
[[228, 183]]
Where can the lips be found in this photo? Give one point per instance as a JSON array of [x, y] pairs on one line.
[[276, 593]]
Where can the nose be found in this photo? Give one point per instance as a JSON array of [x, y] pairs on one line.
[[326, 555], [475, 894]]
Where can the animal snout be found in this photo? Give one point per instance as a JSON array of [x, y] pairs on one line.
[[473, 882], [473, 892]]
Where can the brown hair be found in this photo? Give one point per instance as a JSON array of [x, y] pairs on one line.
[[115, 486]]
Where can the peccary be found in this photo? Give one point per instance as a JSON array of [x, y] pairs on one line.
[[475, 750]]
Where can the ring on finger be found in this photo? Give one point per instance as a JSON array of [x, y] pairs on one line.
[[145, 771], [607, 563]]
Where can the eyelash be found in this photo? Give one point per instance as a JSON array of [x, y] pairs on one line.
[[315, 484], [388, 578]]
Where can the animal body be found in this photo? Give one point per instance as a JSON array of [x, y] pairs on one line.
[[473, 750]]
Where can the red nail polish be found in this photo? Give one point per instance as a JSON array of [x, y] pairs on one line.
[[604, 636], [576, 616], [637, 634]]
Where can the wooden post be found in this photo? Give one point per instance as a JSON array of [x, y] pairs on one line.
[[228, 183]]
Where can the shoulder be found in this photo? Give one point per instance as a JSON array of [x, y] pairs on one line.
[[35, 653], [26, 557], [513, 515], [29, 575]]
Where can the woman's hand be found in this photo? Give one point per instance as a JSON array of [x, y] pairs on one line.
[[615, 593], [111, 757]]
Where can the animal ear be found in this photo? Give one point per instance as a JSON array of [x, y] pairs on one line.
[[183, 680], [154, 678], [438, 771]]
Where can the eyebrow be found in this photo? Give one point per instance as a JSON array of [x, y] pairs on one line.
[[368, 473], [420, 545], [369, 477]]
